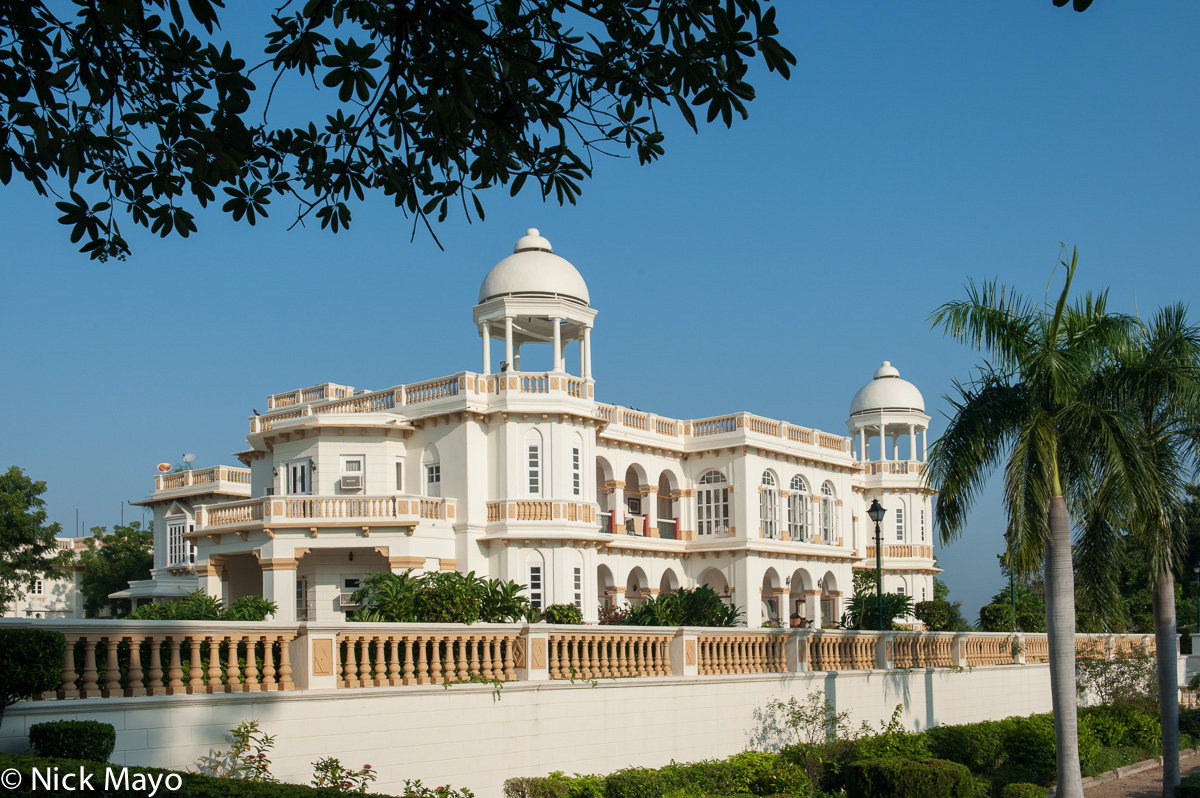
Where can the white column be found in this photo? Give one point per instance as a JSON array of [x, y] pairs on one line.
[[516, 358], [558, 358], [862, 444], [896, 447], [508, 344], [279, 585], [487, 349], [883, 455], [925, 444], [587, 352], [912, 442]]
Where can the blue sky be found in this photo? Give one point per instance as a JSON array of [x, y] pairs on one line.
[[767, 268]]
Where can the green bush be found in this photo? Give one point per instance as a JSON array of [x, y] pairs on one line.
[[937, 615], [976, 745], [1189, 721], [634, 783], [563, 613], [89, 740], [536, 787], [701, 606], [908, 778], [1029, 744], [1109, 729], [1023, 790], [1189, 787], [31, 663], [997, 618]]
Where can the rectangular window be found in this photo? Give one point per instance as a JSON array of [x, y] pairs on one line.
[[922, 524], [899, 523], [535, 587], [576, 472], [39, 587], [922, 594], [534, 462], [433, 479], [578, 587], [353, 467], [399, 476], [299, 480], [177, 547], [302, 598], [900, 590]]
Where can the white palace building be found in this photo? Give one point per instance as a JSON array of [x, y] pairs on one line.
[[527, 476]]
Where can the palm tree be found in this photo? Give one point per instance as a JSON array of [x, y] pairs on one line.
[[1157, 381], [1035, 403]]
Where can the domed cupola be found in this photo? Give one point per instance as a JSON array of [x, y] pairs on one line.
[[889, 409], [535, 297], [534, 270], [887, 392]]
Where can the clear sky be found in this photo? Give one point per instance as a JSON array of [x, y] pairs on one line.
[[768, 268]]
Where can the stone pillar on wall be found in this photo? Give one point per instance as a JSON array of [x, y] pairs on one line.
[[279, 586], [650, 509], [537, 658], [684, 651], [747, 593], [812, 608]]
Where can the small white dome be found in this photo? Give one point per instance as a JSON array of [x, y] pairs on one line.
[[887, 392], [534, 269]]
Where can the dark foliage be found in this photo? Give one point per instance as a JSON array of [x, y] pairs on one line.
[[89, 740]]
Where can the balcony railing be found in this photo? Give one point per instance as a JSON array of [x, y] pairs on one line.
[[925, 552], [541, 510], [303, 510]]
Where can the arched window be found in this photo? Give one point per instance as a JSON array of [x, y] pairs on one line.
[[533, 464], [829, 514], [712, 504], [768, 506], [799, 510]]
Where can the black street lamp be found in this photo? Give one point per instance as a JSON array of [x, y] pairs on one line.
[[875, 512]]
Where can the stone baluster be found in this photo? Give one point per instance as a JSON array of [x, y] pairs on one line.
[[510, 671], [175, 666], [68, 689], [156, 673], [268, 671], [135, 687], [214, 665], [410, 643], [365, 677], [464, 672], [552, 643], [90, 687], [349, 666], [435, 660], [195, 670], [233, 674], [393, 669], [422, 662], [112, 668], [485, 656], [252, 683]]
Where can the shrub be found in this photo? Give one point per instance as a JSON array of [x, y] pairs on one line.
[[909, 778], [634, 783], [31, 663], [562, 613], [1023, 790], [330, 772], [246, 759], [1189, 721], [937, 615], [976, 745], [1108, 728], [1189, 787], [536, 787], [89, 740], [1029, 745], [997, 618]]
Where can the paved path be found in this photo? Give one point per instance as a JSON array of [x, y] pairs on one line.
[[1147, 784]]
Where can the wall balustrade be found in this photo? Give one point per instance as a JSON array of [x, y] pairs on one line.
[[609, 653], [106, 659], [387, 655]]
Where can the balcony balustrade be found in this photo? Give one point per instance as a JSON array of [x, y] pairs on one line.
[[224, 479], [303, 511]]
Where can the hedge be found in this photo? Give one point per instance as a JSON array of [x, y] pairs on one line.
[[909, 778], [89, 740], [1023, 790], [1189, 787]]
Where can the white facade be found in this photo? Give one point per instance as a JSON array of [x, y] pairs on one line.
[[524, 475], [55, 597]]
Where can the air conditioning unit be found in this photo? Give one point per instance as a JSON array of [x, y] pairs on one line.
[[352, 482], [346, 600]]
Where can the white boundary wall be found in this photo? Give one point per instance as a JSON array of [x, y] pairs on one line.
[[466, 736]]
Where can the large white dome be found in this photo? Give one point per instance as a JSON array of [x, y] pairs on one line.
[[534, 270], [887, 392]]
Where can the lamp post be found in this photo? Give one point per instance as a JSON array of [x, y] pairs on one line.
[[1196, 568], [875, 513]]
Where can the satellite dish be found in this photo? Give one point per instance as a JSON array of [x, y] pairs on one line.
[[189, 457], [164, 468]]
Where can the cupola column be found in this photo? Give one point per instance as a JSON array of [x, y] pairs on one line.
[[558, 358], [587, 352], [862, 444], [883, 454], [487, 347], [925, 444], [912, 442], [508, 344]]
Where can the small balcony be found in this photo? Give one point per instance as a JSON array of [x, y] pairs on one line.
[[281, 512], [221, 480]]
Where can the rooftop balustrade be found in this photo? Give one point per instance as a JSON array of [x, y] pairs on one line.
[[216, 478], [107, 659]]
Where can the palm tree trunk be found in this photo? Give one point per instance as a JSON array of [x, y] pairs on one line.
[[1168, 679], [1060, 627]]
